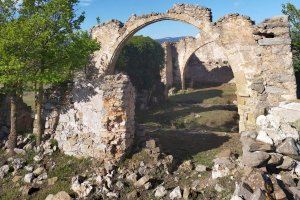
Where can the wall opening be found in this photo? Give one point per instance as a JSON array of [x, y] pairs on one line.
[[190, 124], [200, 74]]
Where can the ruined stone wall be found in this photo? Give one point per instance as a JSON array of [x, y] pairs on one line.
[[215, 67], [206, 66], [248, 55], [275, 143], [259, 56], [99, 122], [274, 39], [167, 71], [177, 82], [199, 74]]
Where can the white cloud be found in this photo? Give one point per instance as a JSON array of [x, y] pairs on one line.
[[236, 3], [85, 2]]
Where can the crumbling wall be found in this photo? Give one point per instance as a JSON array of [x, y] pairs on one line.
[[99, 122], [252, 65], [201, 74], [260, 58], [214, 67], [167, 71], [273, 37], [206, 66], [275, 144]]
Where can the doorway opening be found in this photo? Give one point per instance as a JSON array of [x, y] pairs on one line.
[[193, 124]]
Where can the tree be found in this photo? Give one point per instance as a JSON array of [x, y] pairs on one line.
[[142, 59], [11, 68], [56, 45], [52, 46], [294, 18], [8, 8]]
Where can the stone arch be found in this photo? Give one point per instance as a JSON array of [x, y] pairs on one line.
[[120, 33], [99, 122], [191, 45]]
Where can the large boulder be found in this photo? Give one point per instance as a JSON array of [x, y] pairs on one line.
[[287, 164], [176, 193], [279, 124], [242, 191], [81, 186], [62, 195], [4, 171], [255, 159], [288, 147], [253, 145]]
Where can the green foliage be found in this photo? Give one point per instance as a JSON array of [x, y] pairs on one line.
[[53, 143], [42, 43], [142, 59], [11, 67], [56, 45], [8, 9], [294, 18]]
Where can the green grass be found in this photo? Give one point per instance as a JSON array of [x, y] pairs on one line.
[[211, 109], [224, 94], [66, 168], [8, 191], [28, 98], [206, 158], [191, 124]]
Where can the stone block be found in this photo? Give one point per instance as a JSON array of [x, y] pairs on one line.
[[274, 41]]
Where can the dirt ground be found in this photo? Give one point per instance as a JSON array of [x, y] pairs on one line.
[[192, 125], [195, 124]]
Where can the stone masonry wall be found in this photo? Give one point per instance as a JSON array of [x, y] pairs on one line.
[[208, 65], [274, 39], [100, 121], [167, 71], [275, 144], [215, 69], [199, 74]]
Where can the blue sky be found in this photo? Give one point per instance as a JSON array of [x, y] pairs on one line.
[[258, 10]]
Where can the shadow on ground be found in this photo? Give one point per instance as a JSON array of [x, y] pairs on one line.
[[196, 96], [194, 124], [185, 144]]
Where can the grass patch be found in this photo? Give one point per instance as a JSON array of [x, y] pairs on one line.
[[206, 157], [210, 109], [193, 124], [28, 98], [65, 168], [219, 120]]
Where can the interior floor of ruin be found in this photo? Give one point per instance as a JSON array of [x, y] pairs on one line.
[[196, 124]]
